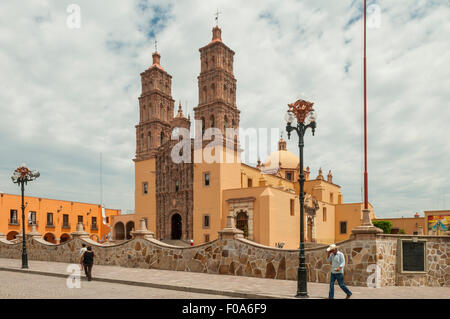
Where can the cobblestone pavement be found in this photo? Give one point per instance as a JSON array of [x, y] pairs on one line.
[[19, 285], [230, 286]]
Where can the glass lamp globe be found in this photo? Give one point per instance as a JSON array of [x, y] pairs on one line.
[[289, 117], [312, 116]]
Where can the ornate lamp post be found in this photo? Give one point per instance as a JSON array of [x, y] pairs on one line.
[[301, 110], [21, 176]]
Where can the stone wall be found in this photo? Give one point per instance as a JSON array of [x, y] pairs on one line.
[[240, 257], [437, 265]]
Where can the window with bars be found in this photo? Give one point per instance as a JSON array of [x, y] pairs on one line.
[[49, 219], [32, 218], [65, 220], [206, 221], [343, 227], [94, 223], [206, 179], [13, 216]]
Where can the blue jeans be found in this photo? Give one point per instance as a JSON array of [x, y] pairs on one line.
[[340, 279]]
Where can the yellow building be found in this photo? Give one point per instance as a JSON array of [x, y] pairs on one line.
[[54, 219], [192, 199]]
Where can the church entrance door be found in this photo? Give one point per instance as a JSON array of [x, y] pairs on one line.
[[176, 226]]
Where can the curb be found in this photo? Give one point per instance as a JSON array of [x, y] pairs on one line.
[[158, 286]]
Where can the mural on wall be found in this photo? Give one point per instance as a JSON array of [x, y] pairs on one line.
[[438, 224]]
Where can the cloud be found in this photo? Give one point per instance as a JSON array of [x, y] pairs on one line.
[[69, 94]]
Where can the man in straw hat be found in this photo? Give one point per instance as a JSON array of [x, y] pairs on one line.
[[337, 260]]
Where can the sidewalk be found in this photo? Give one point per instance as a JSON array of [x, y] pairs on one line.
[[232, 286]]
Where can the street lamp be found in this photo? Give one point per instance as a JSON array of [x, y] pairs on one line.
[[301, 111], [21, 176]]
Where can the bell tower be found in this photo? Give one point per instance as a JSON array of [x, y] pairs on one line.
[[155, 114], [216, 109], [217, 86], [155, 110]]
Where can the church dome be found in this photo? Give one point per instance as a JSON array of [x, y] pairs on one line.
[[282, 158]]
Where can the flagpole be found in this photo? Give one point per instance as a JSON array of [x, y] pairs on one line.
[[366, 200]]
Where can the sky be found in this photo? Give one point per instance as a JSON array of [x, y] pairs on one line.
[[69, 94]]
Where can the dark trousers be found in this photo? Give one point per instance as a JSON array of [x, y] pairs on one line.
[[88, 270], [340, 280]]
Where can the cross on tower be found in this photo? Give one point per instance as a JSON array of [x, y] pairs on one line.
[[217, 17], [156, 45]]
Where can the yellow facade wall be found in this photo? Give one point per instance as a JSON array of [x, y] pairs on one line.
[[208, 199], [42, 206], [145, 204], [409, 225], [272, 220], [325, 227], [352, 214]]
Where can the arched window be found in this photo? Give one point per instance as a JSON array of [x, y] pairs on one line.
[[205, 94], [212, 120], [177, 186], [242, 222], [203, 125], [233, 123], [162, 138], [225, 123], [213, 91], [149, 140]]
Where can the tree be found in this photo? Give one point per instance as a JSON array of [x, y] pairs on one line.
[[384, 225]]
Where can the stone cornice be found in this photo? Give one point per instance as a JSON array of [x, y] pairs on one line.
[[158, 92], [241, 199]]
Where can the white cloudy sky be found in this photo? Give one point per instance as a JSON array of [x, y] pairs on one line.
[[68, 94]]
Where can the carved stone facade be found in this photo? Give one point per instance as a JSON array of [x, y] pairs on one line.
[[174, 195]]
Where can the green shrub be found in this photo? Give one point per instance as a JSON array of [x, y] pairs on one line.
[[384, 225], [401, 231]]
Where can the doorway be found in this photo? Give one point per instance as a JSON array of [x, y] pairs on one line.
[[176, 227]]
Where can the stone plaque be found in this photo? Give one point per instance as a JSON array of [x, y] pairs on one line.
[[413, 256]]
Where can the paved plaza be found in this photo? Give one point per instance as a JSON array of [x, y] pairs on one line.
[[48, 280], [17, 285]]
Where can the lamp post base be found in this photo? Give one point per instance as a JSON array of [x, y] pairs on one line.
[[301, 295], [24, 262]]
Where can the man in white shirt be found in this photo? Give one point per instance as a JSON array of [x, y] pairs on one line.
[[82, 250], [337, 260]]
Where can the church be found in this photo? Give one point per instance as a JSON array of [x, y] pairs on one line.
[[191, 200]]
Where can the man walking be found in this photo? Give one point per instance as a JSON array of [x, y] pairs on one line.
[[82, 250], [337, 260], [88, 262]]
